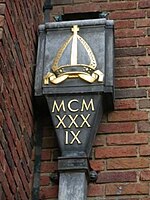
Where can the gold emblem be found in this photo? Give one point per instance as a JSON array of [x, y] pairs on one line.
[[87, 72]]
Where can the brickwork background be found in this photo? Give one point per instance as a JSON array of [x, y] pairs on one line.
[[121, 150], [122, 146], [18, 43]]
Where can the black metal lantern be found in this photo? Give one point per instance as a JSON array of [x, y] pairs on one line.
[[75, 74]]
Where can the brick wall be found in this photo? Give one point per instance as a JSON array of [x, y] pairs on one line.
[[121, 150], [18, 42], [122, 146]]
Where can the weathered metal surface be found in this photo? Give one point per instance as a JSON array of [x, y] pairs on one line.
[[72, 186], [46, 9], [75, 74], [97, 33], [74, 163]]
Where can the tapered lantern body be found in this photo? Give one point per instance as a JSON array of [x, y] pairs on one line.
[[75, 118]]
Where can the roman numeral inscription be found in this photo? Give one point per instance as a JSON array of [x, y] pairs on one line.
[[72, 119], [73, 105], [72, 116], [74, 139]]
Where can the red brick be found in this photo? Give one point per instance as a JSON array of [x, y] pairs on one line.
[[148, 13], [125, 83], [127, 116], [10, 179], [1, 20], [1, 33], [149, 93], [100, 140], [115, 152], [145, 175], [130, 42], [127, 189], [97, 165], [144, 41], [125, 104], [125, 52], [114, 177], [17, 178], [2, 8], [143, 23], [128, 163], [96, 190], [19, 148], [143, 126], [86, 7], [10, 25], [131, 71], [2, 156], [148, 32], [46, 154], [11, 128], [1, 118], [120, 24], [16, 109], [123, 127], [144, 81], [26, 147], [144, 4], [23, 179], [48, 192], [144, 103], [56, 10], [6, 189], [134, 14], [127, 139], [44, 180], [22, 193], [124, 62], [47, 167], [130, 93], [126, 33], [145, 150], [144, 60], [117, 6]]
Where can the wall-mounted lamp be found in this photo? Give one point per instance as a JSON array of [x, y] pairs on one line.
[[74, 74]]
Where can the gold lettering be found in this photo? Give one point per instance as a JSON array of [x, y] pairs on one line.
[[55, 106], [67, 137], [85, 120], [61, 121], [73, 121], [75, 137], [69, 105], [85, 106]]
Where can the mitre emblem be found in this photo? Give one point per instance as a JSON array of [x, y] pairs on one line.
[[75, 68]]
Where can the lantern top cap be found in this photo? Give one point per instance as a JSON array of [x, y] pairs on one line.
[[67, 24]]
